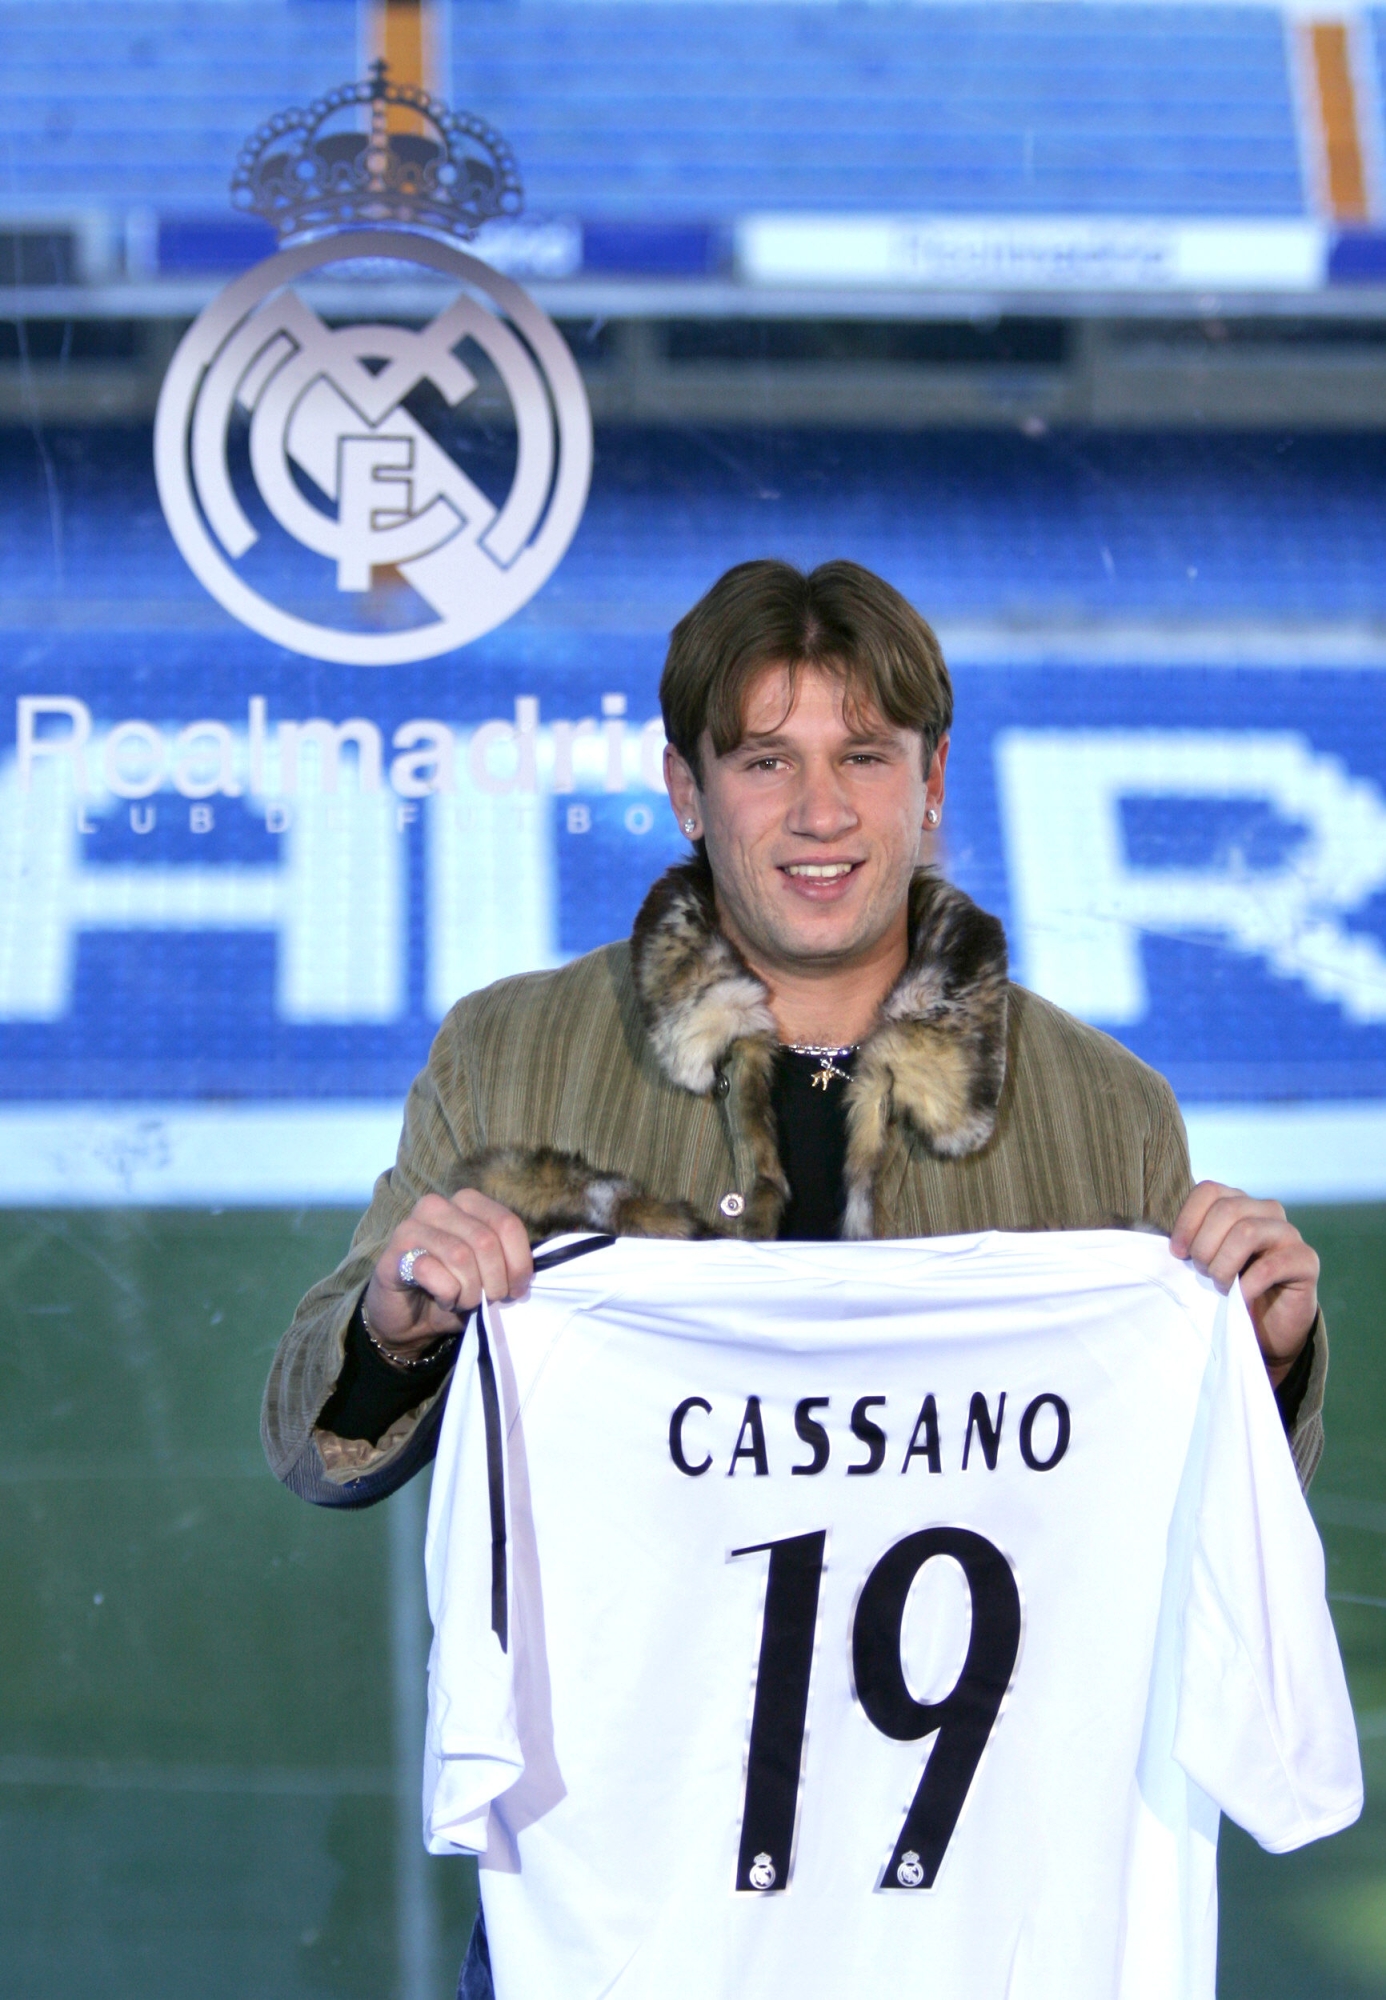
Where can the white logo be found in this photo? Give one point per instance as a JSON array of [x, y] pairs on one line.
[[910, 1872], [328, 415], [762, 1874]]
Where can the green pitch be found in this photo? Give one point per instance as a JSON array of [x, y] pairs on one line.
[[208, 1691]]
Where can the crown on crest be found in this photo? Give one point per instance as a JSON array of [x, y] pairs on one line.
[[312, 170]]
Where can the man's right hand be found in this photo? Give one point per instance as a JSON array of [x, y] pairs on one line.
[[473, 1247]]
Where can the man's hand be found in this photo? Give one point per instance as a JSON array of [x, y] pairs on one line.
[[1229, 1235], [472, 1247]]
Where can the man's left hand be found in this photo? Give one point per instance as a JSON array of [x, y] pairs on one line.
[[1229, 1235]]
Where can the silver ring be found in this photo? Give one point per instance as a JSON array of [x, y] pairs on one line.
[[407, 1263]]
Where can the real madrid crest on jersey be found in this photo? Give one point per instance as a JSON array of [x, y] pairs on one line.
[[309, 455]]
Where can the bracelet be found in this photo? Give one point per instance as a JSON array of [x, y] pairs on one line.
[[406, 1363]]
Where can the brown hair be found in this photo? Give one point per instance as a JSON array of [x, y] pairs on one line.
[[839, 618]]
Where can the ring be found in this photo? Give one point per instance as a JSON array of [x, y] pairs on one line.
[[407, 1263]]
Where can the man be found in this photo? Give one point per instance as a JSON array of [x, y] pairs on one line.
[[809, 1034]]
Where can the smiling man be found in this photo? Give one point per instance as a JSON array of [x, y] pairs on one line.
[[810, 1034]]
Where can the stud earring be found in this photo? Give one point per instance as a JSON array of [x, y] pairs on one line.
[[689, 825], [932, 815]]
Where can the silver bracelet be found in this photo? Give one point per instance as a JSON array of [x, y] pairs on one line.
[[405, 1363]]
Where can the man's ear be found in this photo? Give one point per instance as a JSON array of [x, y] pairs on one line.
[[933, 777], [684, 796]]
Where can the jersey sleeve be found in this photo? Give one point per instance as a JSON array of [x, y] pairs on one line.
[[1265, 1724], [472, 1749]]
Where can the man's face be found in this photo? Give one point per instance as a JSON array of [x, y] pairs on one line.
[[813, 825]]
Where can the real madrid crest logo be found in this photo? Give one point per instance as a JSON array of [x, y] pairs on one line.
[[307, 467]]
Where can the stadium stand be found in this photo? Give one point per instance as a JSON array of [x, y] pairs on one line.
[[696, 114], [973, 525], [705, 111], [163, 97], [1046, 546]]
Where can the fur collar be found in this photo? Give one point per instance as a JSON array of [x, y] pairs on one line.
[[932, 1067], [934, 1064]]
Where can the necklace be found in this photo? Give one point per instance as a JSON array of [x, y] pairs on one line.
[[824, 1076]]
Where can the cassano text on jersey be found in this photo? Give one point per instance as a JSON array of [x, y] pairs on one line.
[[883, 1617], [983, 1427]]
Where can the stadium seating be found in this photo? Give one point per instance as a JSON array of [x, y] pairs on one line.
[[972, 525], [121, 104], [695, 112], [1054, 545], [1014, 108]]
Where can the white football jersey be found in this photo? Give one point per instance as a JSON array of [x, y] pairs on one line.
[[872, 1618]]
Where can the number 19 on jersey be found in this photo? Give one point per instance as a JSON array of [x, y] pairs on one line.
[[962, 1720]]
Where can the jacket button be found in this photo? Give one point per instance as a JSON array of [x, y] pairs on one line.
[[722, 1086], [732, 1204]]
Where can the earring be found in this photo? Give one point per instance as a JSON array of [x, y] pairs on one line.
[[689, 825], [932, 815]]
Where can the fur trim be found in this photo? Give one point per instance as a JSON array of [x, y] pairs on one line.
[[698, 993], [552, 1191], [938, 1060], [934, 1066], [943, 1032]]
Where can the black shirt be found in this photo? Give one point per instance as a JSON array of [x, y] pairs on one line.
[[811, 1118]]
